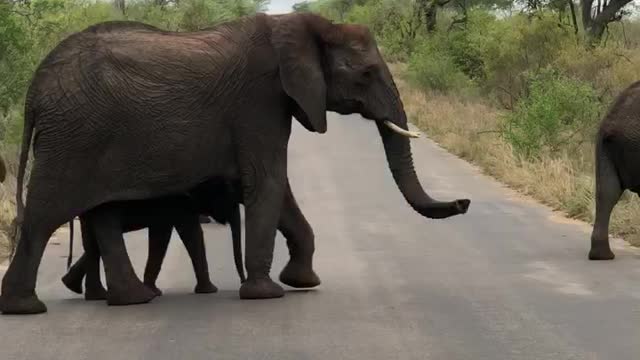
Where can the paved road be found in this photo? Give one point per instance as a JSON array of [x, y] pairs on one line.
[[509, 280]]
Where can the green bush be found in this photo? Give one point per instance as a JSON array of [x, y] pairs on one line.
[[558, 113], [512, 47], [432, 68]]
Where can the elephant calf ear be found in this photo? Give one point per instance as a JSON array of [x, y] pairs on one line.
[[301, 73]]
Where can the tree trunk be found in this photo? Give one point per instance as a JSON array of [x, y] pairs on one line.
[[595, 23], [430, 16], [120, 4], [574, 21]]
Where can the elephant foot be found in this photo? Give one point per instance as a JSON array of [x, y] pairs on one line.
[[22, 305], [95, 293], [299, 276], [205, 288], [73, 282], [263, 288], [139, 294], [601, 253], [153, 288]]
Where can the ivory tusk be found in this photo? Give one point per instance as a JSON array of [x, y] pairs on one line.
[[397, 129]]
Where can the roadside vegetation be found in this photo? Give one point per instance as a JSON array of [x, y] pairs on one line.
[[516, 87]]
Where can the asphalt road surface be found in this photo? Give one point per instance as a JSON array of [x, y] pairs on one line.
[[508, 280]]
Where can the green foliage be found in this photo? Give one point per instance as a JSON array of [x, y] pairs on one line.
[[199, 14], [514, 46], [558, 112], [304, 6], [11, 126], [432, 67]]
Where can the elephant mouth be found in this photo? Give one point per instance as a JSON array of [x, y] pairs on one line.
[[400, 131]]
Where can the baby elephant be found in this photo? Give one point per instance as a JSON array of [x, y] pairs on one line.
[[160, 215], [617, 164]]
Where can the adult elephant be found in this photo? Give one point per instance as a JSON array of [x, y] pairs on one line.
[[127, 111], [617, 169]]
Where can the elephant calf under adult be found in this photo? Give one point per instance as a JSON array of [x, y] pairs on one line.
[[617, 166], [214, 198], [127, 111]]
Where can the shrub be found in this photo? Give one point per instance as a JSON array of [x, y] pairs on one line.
[[515, 46], [432, 68], [558, 112]]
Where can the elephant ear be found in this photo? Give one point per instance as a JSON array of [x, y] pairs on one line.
[[299, 49]]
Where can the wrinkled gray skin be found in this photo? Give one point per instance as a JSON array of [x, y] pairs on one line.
[[617, 167], [126, 111], [3, 170], [182, 212]]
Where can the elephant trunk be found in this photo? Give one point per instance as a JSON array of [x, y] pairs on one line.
[[398, 152]]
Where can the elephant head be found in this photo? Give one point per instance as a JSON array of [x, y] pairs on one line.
[[337, 67], [3, 170]]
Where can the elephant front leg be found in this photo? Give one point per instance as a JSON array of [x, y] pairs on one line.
[[124, 287], [262, 214], [298, 272]]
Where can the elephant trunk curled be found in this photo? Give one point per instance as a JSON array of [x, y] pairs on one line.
[[398, 152]]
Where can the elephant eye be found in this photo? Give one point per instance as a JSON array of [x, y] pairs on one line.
[[366, 76]]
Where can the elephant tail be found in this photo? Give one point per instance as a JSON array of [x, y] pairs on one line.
[[27, 134], [236, 237], [70, 257]]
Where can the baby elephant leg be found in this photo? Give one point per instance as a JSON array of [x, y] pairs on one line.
[[87, 265], [159, 236], [190, 232]]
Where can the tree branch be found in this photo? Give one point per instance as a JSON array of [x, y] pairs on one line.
[[610, 10]]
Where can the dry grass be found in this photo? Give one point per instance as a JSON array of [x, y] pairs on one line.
[[7, 204], [7, 213], [468, 128]]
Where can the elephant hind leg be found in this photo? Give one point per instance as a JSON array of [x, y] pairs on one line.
[[124, 287], [608, 192], [19, 282]]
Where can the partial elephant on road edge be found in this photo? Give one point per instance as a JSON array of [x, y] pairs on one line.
[[617, 158]]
